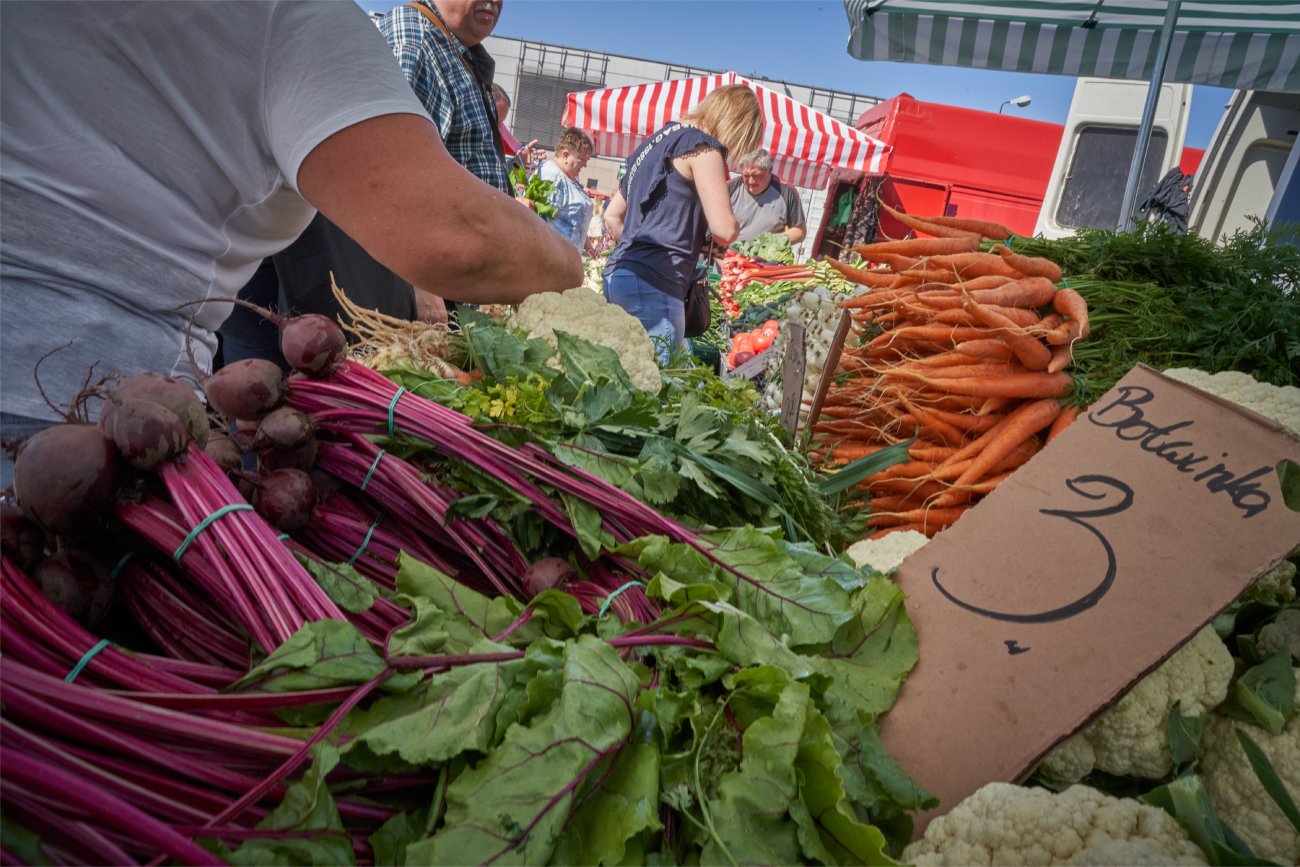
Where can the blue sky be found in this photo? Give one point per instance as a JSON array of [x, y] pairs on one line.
[[798, 41]]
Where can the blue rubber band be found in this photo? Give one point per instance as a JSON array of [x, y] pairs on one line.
[[224, 510], [366, 541], [610, 598], [392, 406], [86, 658], [121, 563], [370, 472]]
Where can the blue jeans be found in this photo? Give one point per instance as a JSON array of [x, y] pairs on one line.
[[663, 316]]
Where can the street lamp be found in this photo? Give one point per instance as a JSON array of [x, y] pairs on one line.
[[1020, 101]]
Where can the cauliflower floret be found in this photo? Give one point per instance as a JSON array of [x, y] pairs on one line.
[[1282, 634], [1279, 402], [1007, 824], [586, 314], [1274, 586], [1235, 790], [1129, 738], [884, 554]]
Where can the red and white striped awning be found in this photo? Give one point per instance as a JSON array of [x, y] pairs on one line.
[[805, 144]]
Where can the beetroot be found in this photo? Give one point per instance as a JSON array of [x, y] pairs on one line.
[[66, 478], [312, 343], [224, 453], [147, 433], [246, 390], [285, 498], [21, 539], [172, 393], [549, 573], [301, 457], [78, 583], [283, 428]]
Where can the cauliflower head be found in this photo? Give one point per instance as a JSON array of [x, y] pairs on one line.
[[586, 314], [1238, 796], [1282, 634], [1007, 824], [884, 554], [1278, 402], [1129, 738]]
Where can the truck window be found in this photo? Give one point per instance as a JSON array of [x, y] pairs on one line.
[[1094, 186]]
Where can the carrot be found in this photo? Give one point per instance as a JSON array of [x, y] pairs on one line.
[[956, 371], [993, 405], [897, 262], [1029, 350], [928, 517], [988, 347], [934, 424], [1021, 385], [1063, 334], [929, 453], [973, 265], [988, 281], [849, 451], [1071, 304], [986, 228], [1029, 292], [1068, 414], [949, 334], [921, 224], [1021, 424], [859, 275], [922, 488], [1018, 456], [1024, 317], [1035, 266], [1061, 358], [918, 247]]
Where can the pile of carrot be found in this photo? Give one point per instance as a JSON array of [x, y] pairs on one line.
[[961, 347]]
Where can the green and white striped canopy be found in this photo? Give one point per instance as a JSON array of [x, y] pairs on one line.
[[1245, 45]]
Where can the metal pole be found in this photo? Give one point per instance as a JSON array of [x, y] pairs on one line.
[[1148, 115]]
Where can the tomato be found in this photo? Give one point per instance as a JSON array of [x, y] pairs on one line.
[[770, 331], [771, 323], [743, 342], [762, 340]]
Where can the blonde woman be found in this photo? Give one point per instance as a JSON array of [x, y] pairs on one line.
[[673, 196]]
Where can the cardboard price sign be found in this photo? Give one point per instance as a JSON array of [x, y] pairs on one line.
[[1081, 573]]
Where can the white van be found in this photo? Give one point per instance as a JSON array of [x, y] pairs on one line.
[[1248, 171]]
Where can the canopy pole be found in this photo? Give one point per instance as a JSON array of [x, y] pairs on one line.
[[1148, 117]]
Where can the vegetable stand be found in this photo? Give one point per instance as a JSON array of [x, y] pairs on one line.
[[526, 574]]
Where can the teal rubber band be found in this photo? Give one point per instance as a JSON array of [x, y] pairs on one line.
[[85, 659], [366, 541], [224, 510], [392, 405], [610, 598], [121, 563], [1065, 283], [282, 537], [370, 472]]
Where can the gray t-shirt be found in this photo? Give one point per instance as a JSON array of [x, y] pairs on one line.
[[149, 157], [773, 210]]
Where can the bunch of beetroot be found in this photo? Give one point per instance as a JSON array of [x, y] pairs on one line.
[[68, 477]]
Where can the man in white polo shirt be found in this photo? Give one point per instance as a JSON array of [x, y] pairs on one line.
[[764, 204]]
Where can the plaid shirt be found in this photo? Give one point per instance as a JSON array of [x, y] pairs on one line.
[[450, 93]]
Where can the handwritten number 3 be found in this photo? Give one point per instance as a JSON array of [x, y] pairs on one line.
[[1095, 488]]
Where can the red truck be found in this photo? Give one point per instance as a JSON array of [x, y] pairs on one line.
[[948, 160]]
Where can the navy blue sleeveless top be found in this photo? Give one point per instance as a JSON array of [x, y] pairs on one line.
[[664, 227]]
